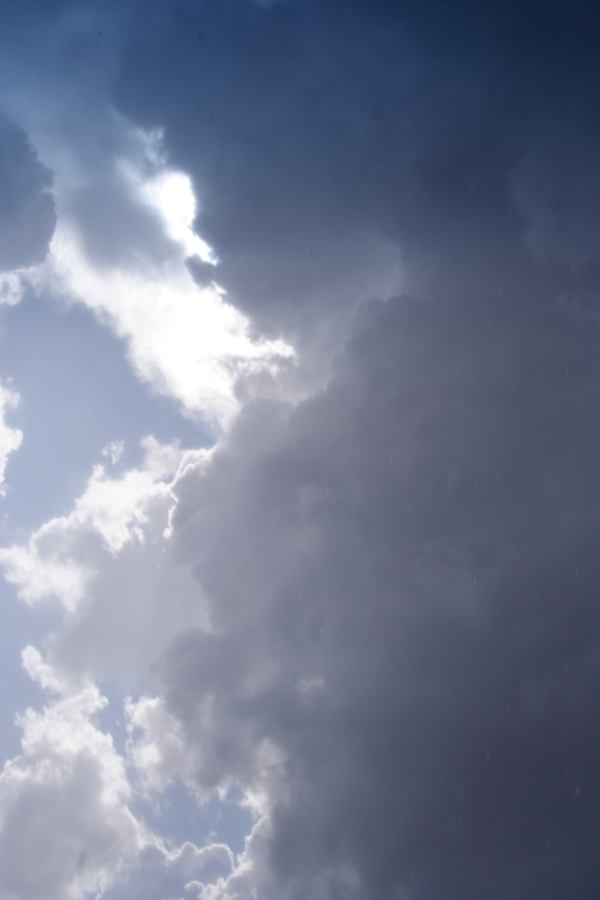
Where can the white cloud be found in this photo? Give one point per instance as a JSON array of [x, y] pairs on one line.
[[120, 249], [162, 874], [185, 341], [10, 438], [113, 451], [64, 820], [254, 877], [171, 194], [11, 288], [58, 558], [66, 828], [156, 745], [108, 563], [40, 672]]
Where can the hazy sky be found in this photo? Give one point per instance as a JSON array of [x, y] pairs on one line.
[[299, 450]]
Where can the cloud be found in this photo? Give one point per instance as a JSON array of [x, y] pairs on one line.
[[156, 748], [11, 289], [277, 149], [122, 251], [186, 342], [372, 611], [125, 221], [10, 438], [110, 514], [63, 813], [28, 211], [555, 186], [113, 451], [399, 576], [107, 563], [253, 875], [64, 801], [162, 874]]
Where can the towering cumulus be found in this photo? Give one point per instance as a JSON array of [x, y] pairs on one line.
[[300, 352]]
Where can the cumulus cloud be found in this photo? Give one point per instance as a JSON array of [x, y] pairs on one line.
[[10, 438], [163, 874], [63, 815], [107, 564], [277, 150], [383, 565], [28, 212], [383, 571], [110, 511], [64, 802], [156, 748], [11, 289], [185, 341], [253, 876], [372, 612], [125, 236], [555, 186], [402, 566]]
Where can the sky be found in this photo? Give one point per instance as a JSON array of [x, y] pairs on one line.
[[299, 450]]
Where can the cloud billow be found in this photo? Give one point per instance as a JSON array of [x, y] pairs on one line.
[[371, 611], [28, 210], [403, 585], [401, 569]]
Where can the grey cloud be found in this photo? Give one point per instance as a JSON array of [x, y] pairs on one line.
[[28, 214], [321, 137], [61, 58], [160, 874], [402, 574], [556, 187], [277, 146], [402, 568], [115, 226]]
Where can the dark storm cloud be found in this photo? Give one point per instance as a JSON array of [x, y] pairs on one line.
[[403, 570], [270, 124], [317, 130], [28, 214], [58, 61], [403, 579]]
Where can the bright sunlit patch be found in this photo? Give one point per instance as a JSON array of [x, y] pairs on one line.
[[185, 341], [172, 194]]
